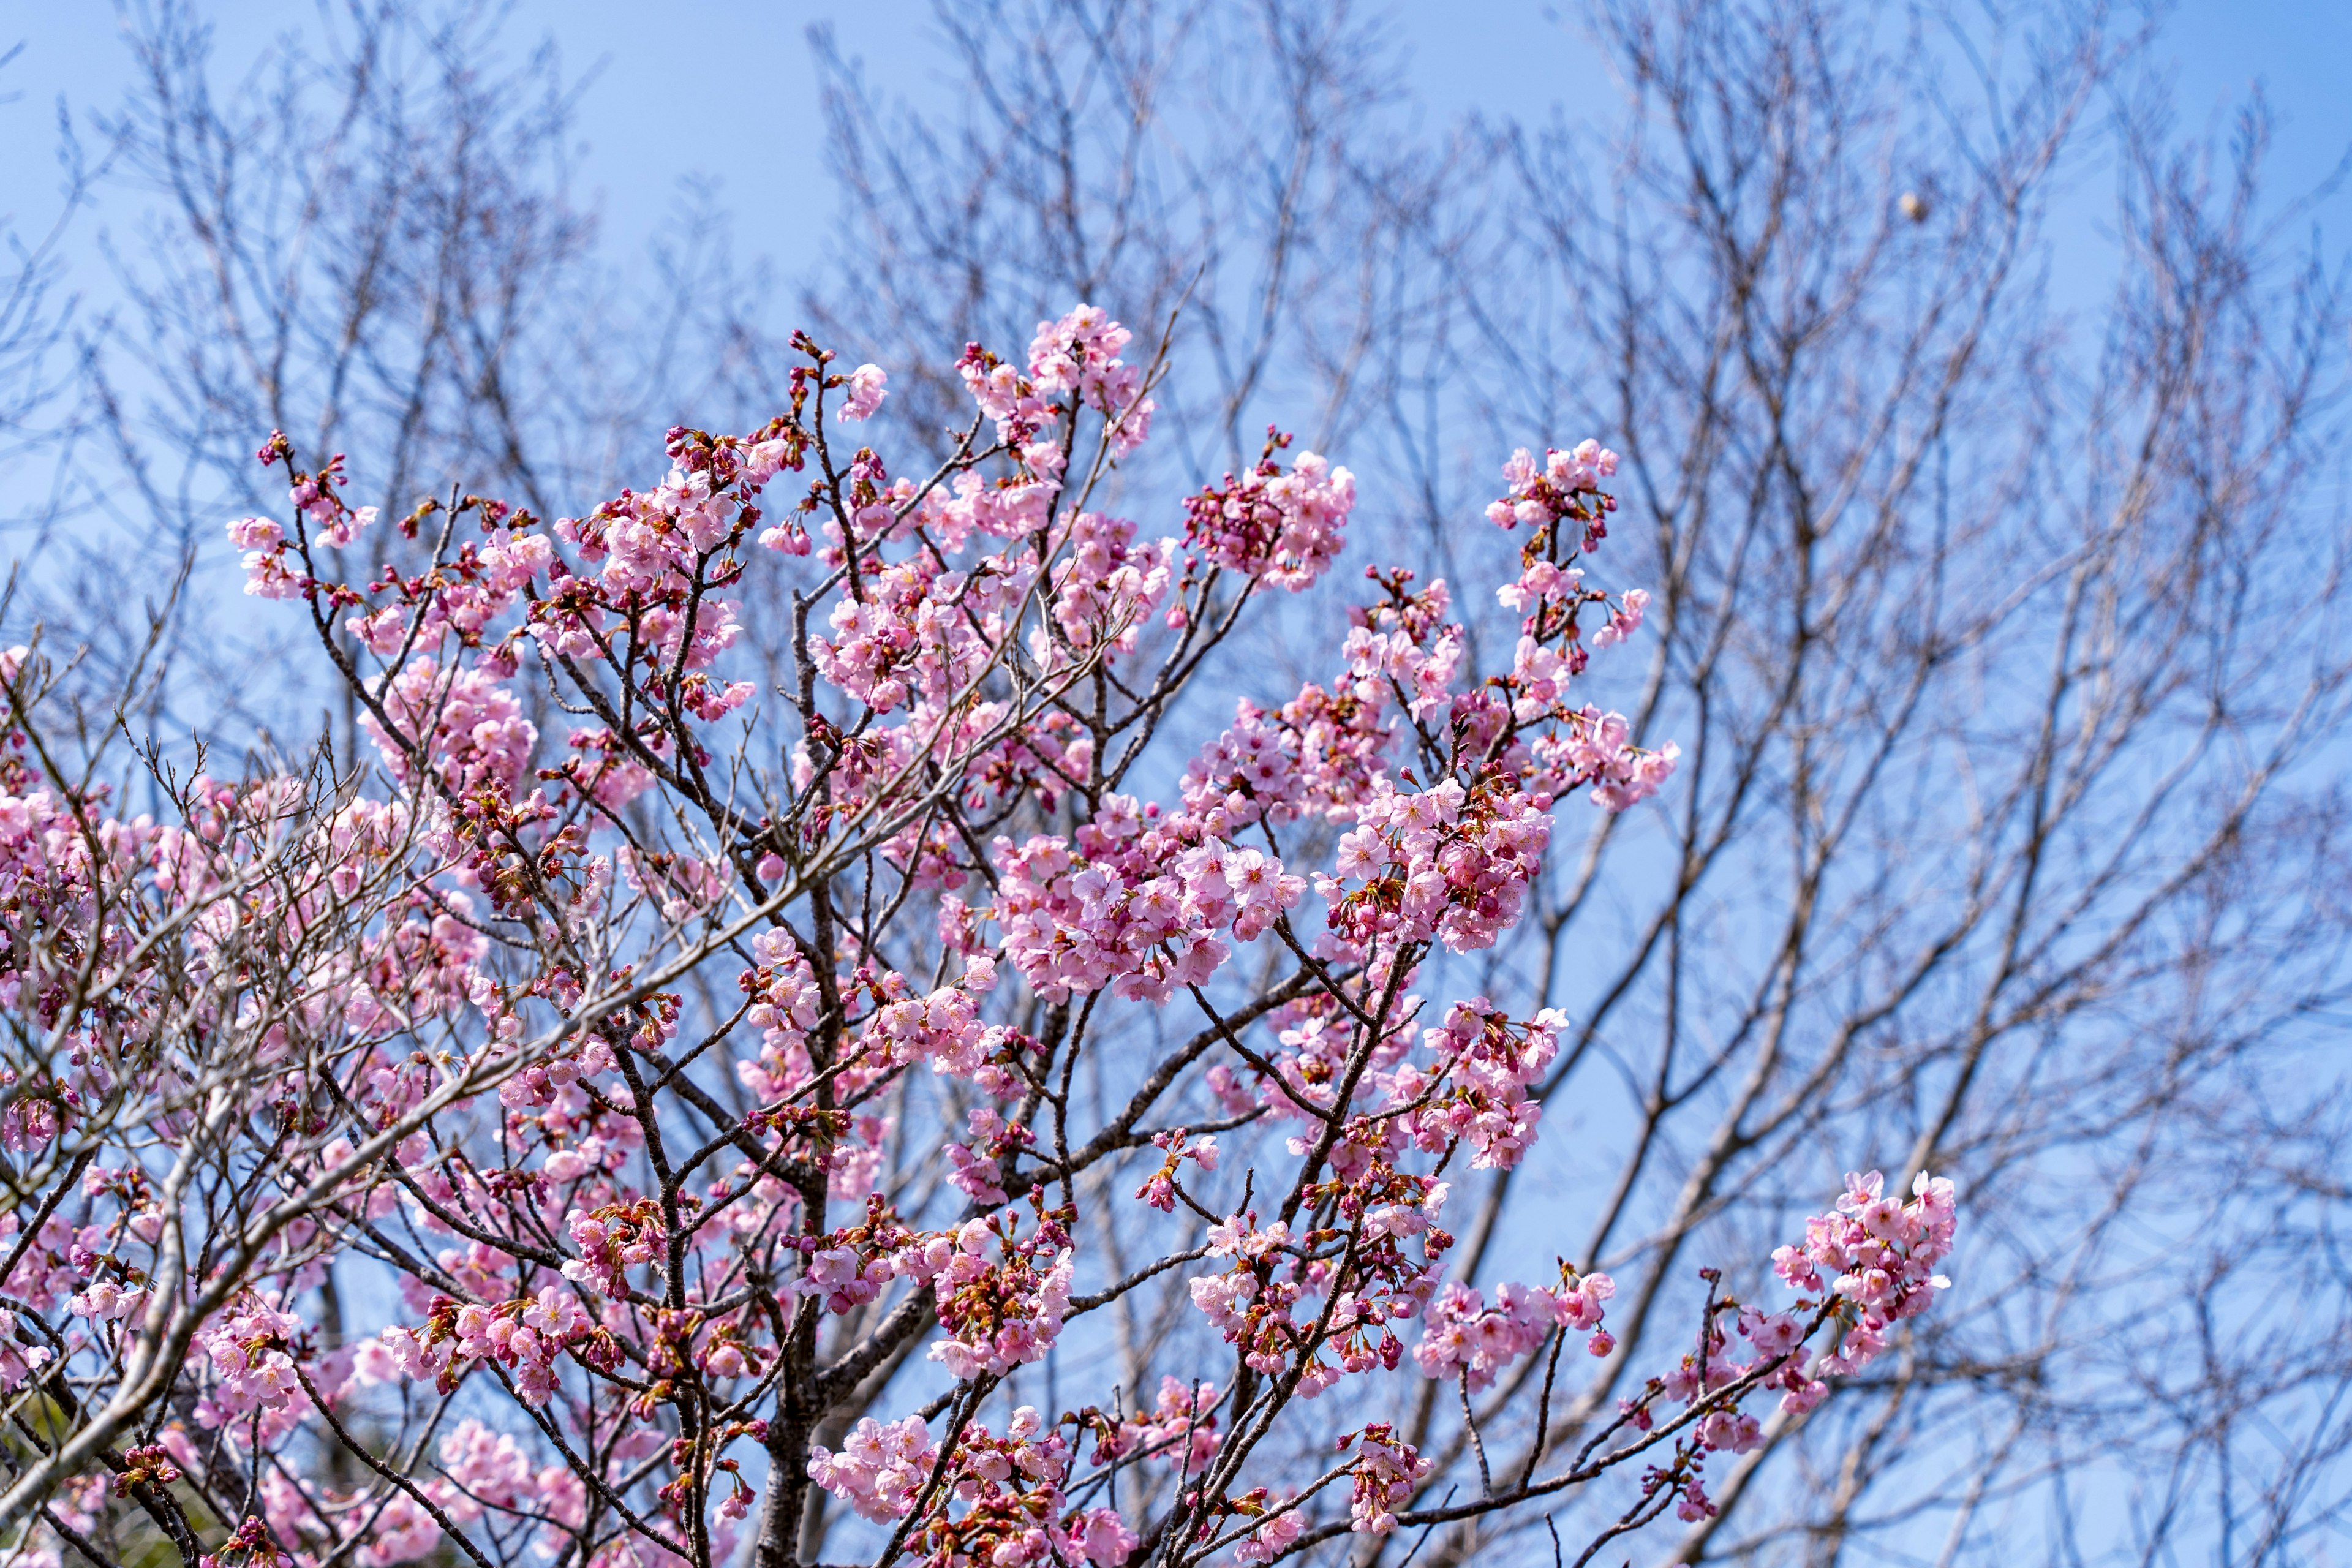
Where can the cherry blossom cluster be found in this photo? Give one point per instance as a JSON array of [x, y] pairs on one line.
[[1451, 863], [252, 1360], [1882, 1255], [998, 1314], [1281, 527], [524, 1337], [1560, 501], [1080, 353], [880, 1469], [1179, 1429], [1315, 756], [761, 890], [1382, 1475], [1004, 1502], [1462, 1337], [1352, 1296], [1134, 908], [1565, 485], [1160, 1191], [1474, 1087]]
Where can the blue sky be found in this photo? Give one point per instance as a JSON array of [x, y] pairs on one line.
[[688, 87]]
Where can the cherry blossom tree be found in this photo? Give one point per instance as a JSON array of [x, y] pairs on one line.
[[749, 1123], [1981, 423]]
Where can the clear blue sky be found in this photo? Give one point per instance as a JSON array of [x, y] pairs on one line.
[[686, 83]]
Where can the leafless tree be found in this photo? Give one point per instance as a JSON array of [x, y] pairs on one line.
[[1101, 154], [35, 307], [367, 238], [2002, 630]]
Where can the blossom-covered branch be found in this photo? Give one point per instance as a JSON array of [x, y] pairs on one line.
[[662, 1099]]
